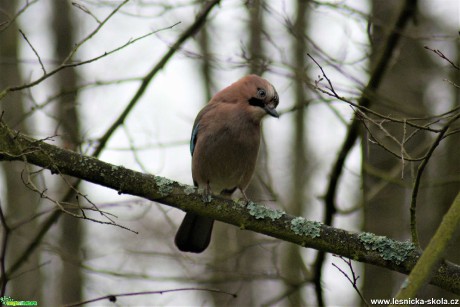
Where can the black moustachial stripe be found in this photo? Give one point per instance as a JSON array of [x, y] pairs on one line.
[[256, 102]]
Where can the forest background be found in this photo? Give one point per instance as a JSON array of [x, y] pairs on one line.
[[370, 107]]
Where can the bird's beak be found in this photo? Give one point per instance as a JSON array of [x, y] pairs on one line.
[[271, 111]]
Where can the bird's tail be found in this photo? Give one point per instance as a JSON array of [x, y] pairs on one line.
[[194, 233]]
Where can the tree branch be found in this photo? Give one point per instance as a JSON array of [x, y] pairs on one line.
[[418, 177], [433, 253], [363, 247]]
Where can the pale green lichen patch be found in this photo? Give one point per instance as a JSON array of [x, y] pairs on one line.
[[388, 249], [189, 190], [304, 227], [262, 212], [164, 185]]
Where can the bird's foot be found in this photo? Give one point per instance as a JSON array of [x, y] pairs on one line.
[[246, 199], [207, 196]]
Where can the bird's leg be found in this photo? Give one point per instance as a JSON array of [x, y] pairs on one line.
[[246, 199], [206, 196]]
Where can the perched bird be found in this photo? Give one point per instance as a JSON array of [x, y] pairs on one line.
[[224, 146]]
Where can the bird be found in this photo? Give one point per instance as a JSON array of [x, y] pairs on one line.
[[224, 145]]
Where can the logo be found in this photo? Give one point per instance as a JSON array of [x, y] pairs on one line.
[[8, 301]]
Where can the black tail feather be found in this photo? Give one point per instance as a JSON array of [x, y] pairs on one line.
[[194, 233]]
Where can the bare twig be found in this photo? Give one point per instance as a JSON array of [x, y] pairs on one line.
[[33, 268], [332, 92], [452, 83], [403, 155], [353, 279], [68, 65], [189, 32], [442, 56], [35, 51], [292, 289], [65, 63], [418, 177], [6, 24], [85, 10], [96, 30], [79, 88], [113, 297], [60, 204]]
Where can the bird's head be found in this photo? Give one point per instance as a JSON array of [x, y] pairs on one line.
[[261, 95], [252, 94]]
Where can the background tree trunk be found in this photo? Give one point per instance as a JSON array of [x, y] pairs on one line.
[[71, 232], [241, 246], [387, 182], [294, 264], [21, 203]]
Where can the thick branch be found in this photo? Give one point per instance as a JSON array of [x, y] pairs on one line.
[[364, 247], [433, 252]]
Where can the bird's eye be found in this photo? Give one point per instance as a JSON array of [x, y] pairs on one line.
[[261, 93]]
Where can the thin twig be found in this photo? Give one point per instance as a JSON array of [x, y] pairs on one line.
[[403, 155], [353, 279], [6, 24], [294, 288], [96, 30], [64, 66], [60, 204], [35, 51], [332, 92], [418, 177], [79, 88], [113, 297], [442, 56], [85, 10], [189, 32]]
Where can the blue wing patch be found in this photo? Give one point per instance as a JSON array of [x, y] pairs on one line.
[[193, 139]]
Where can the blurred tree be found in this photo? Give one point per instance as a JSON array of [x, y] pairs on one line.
[[242, 244], [70, 231], [206, 60], [442, 179], [21, 203], [296, 271], [387, 181]]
